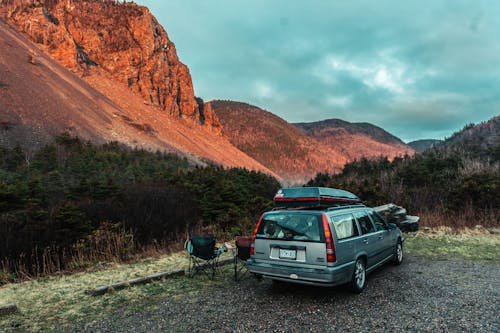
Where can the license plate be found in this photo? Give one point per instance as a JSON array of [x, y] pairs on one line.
[[288, 254]]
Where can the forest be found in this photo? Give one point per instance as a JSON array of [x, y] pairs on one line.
[[73, 204], [455, 183]]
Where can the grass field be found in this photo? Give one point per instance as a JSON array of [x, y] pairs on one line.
[[50, 304], [440, 244]]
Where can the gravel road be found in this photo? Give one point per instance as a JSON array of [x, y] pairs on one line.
[[419, 296]]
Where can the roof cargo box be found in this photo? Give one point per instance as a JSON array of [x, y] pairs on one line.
[[305, 197]]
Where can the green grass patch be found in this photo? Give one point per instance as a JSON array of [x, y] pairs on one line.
[[454, 246], [58, 303]]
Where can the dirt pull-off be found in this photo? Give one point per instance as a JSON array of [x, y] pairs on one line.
[[419, 296]]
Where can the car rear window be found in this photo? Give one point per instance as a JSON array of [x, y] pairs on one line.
[[292, 227], [345, 226]]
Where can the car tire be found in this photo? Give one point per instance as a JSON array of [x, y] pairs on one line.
[[358, 281], [398, 254]]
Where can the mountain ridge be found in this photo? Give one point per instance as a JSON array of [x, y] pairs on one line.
[[356, 140], [423, 144], [369, 129], [289, 153], [288, 148]]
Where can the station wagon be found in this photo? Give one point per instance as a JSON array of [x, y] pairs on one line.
[[324, 237]]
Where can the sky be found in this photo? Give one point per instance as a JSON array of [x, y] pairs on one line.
[[419, 69]]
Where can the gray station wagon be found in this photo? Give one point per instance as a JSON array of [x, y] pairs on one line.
[[324, 237]]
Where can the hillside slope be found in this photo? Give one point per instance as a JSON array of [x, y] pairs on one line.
[[300, 151], [480, 138], [422, 145], [356, 140], [276, 143], [40, 98]]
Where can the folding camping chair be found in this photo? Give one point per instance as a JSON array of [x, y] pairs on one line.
[[203, 255], [241, 256]]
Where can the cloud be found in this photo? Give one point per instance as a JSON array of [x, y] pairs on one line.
[[337, 101], [390, 80], [263, 90], [384, 73], [414, 70]]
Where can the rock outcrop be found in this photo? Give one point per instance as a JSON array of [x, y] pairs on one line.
[[40, 98], [123, 39]]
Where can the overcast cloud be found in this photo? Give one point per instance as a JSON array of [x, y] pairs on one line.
[[419, 69]]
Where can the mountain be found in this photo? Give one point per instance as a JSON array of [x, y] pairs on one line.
[[277, 144], [422, 145], [122, 39], [341, 126], [64, 74], [106, 70], [355, 140], [300, 151], [480, 141], [482, 137]]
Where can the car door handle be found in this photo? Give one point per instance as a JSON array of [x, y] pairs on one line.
[[380, 237], [365, 241]]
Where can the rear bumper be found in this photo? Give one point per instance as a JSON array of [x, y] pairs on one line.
[[328, 276]]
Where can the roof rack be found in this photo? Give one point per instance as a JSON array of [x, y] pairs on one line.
[[344, 206]]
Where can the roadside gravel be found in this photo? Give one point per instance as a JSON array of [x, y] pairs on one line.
[[419, 296]]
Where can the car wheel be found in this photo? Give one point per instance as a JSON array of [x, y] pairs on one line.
[[358, 281], [398, 254]]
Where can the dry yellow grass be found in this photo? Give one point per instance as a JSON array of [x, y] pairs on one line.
[[47, 304]]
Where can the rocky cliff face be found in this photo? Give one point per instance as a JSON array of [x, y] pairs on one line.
[[40, 98], [123, 39]]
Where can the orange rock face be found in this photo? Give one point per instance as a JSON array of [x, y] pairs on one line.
[[125, 40]]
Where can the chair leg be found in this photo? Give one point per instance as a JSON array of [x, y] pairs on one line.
[[191, 267], [240, 269], [235, 264]]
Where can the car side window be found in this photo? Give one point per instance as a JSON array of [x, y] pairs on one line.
[[345, 226], [365, 223], [380, 224]]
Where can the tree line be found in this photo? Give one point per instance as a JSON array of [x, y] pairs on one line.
[[457, 187], [73, 202]]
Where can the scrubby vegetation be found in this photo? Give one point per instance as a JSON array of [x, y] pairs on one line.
[[72, 204], [454, 184]]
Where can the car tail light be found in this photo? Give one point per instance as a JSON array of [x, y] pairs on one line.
[[252, 244], [330, 247]]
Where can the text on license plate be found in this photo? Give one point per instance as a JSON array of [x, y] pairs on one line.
[[288, 254]]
